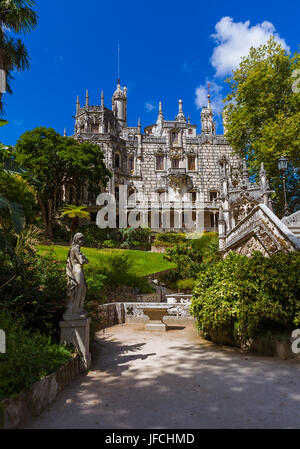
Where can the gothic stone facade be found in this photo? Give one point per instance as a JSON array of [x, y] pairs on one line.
[[167, 161]]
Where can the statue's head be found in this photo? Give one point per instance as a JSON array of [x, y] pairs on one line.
[[78, 239]]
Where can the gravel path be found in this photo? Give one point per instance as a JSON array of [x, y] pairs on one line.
[[175, 380]]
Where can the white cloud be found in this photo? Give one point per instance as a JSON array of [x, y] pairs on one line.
[[150, 106], [234, 41], [215, 93]]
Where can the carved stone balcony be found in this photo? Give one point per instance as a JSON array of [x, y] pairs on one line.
[[177, 178], [177, 172]]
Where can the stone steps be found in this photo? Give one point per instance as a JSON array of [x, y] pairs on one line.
[[295, 230]]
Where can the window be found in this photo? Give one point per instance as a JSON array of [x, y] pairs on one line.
[[94, 128], [117, 160], [117, 193], [194, 196], [191, 163], [131, 163], [175, 163], [174, 137], [213, 195], [159, 163], [131, 196], [190, 131]]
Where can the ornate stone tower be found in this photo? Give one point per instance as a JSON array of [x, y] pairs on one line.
[[119, 105], [207, 119]]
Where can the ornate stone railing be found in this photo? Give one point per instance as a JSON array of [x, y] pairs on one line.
[[261, 230], [292, 220], [131, 312]]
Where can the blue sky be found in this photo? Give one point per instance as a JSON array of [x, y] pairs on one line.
[[167, 52]]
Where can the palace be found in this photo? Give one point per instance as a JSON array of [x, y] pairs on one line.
[[166, 161]]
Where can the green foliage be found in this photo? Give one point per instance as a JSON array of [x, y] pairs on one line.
[[15, 17], [245, 296], [29, 356], [144, 263], [169, 237], [194, 255], [35, 289], [136, 237], [186, 284], [52, 161], [263, 116], [95, 236], [16, 190], [110, 244], [116, 271]]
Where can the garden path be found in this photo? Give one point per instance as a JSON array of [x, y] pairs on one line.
[[175, 380]]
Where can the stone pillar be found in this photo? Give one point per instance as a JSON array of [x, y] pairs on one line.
[[77, 333]]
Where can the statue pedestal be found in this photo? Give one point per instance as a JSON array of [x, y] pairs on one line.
[[77, 332]]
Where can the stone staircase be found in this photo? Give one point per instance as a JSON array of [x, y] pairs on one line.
[[293, 223]]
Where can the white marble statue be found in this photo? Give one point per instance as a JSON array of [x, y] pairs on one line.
[[76, 288]]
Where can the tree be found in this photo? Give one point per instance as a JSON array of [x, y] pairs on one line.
[[74, 212], [263, 116], [52, 161], [16, 16]]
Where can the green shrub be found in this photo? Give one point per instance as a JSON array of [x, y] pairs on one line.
[[163, 244], [110, 244], [36, 289], [28, 357], [194, 255], [117, 271], [170, 237], [245, 296], [186, 284], [95, 236], [136, 237]]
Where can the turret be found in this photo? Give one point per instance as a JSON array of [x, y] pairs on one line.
[[119, 104], [207, 118], [180, 116]]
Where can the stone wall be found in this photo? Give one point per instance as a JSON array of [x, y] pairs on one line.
[[15, 411]]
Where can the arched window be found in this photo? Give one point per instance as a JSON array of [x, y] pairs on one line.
[[159, 163], [174, 138], [191, 163], [175, 163], [131, 163], [94, 128], [117, 160], [213, 195]]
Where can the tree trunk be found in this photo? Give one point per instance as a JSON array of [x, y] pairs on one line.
[[45, 217]]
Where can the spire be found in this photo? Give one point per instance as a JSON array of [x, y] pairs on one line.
[[65, 132], [180, 115], [125, 91], [77, 104], [245, 172], [87, 98], [208, 96], [139, 125], [189, 120], [102, 98], [160, 113], [263, 177]]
